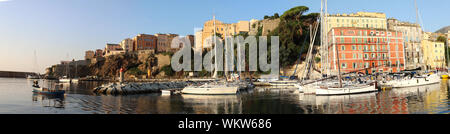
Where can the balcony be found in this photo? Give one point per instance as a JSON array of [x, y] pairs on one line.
[[375, 51], [379, 58]]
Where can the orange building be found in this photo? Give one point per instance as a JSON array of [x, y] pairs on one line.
[[365, 50], [144, 42]]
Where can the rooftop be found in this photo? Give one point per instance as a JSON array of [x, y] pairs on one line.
[[361, 14]]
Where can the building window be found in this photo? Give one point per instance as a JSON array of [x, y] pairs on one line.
[[353, 47], [355, 65], [359, 48], [344, 65], [354, 56], [342, 40], [343, 56], [366, 56], [343, 48]]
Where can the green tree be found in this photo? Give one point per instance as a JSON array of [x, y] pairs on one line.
[[442, 39], [293, 32], [276, 16]]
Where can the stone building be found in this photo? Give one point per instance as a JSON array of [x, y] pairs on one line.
[[198, 41], [164, 42], [98, 53], [223, 29], [113, 49], [145, 42], [412, 37], [89, 55], [127, 45]]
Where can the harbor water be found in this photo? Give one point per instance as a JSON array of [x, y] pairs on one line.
[[16, 98]]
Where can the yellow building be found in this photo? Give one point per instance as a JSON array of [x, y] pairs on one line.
[[223, 29], [359, 19], [433, 52]]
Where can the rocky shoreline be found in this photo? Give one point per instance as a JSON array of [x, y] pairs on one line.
[[137, 88]]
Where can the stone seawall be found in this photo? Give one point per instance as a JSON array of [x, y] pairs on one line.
[[11, 74], [137, 88]]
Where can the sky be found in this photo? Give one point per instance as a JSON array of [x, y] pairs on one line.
[[64, 29]]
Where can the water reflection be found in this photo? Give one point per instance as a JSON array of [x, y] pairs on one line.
[[213, 104], [413, 100], [15, 97], [54, 101]]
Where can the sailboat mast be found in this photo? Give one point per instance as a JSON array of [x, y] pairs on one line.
[[339, 67], [322, 49], [214, 35], [325, 18], [215, 50]]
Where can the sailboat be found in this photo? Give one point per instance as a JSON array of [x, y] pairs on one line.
[[216, 87], [323, 87], [43, 90], [67, 78], [34, 75], [46, 91]]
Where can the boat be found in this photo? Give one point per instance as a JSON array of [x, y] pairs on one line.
[[67, 78], [414, 81], [326, 86], [349, 89], [46, 91], [212, 89], [216, 87]]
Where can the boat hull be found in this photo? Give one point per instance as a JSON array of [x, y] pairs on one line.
[[211, 90], [433, 79], [345, 90]]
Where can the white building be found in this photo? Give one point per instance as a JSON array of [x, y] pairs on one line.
[[127, 45]]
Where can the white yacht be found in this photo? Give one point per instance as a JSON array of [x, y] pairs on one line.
[[212, 89], [349, 89], [414, 81]]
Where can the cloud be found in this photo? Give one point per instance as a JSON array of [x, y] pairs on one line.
[[4, 0]]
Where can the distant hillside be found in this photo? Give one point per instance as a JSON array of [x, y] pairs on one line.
[[443, 30]]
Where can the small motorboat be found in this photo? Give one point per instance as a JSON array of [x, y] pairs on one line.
[[46, 91]]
